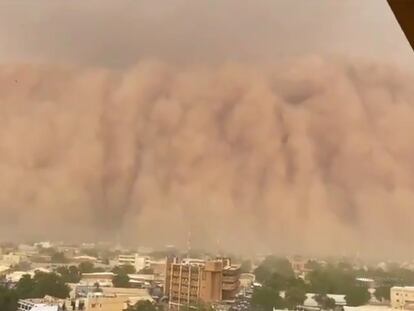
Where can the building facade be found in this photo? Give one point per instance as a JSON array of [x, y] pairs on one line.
[[190, 282], [402, 298], [36, 305], [103, 279], [135, 260], [231, 282]]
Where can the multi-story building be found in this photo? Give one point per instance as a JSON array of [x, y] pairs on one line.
[[135, 260], [402, 298], [231, 282], [190, 282]]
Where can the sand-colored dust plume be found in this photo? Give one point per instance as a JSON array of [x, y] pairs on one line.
[[308, 155]]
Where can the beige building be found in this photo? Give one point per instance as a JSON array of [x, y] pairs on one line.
[[135, 260], [12, 259], [105, 303], [402, 298], [104, 279], [231, 282], [190, 282]]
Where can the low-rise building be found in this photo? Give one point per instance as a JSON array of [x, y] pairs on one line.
[[402, 298], [37, 305], [4, 270], [310, 302], [84, 258], [15, 276], [103, 279], [12, 259]]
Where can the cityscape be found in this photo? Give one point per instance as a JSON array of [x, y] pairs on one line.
[[206, 155], [106, 277]]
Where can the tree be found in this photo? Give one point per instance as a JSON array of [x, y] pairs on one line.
[[331, 280], [266, 299], [69, 274], [383, 293], [142, 305], [325, 302], [91, 252], [357, 296], [246, 266], [272, 265], [42, 284], [276, 282], [121, 280], [86, 267], [124, 269], [24, 287], [294, 297], [312, 265], [8, 299], [146, 271], [58, 257]]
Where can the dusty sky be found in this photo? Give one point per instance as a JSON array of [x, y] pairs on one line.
[[268, 125]]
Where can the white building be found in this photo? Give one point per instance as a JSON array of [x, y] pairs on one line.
[[311, 304], [104, 279], [135, 260], [12, 259], [44, 244], [15, 276], [402, 298], [36, 305]]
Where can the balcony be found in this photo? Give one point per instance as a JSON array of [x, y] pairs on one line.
[[230, 279], [230, 286]]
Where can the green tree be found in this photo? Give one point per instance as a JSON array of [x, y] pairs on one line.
[[276, 282], [58, 257], [294, 297], [383, 293], [266, 299], [42, 284], [143, 305], [121, 280], [24, 287], [8, 299], [91, 252], [271, 265], [146, 271], [86, 267], [331, 280], [50, 284], [124, 269], [69, 274], [357, 296], [312, 265], [325, 302]]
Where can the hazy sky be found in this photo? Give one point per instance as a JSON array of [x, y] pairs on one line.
[[122, 32], [268, 125]]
